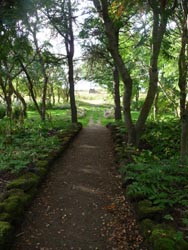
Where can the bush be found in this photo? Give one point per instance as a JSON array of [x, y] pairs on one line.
[[163, 137]]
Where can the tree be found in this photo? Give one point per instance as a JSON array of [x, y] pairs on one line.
[[19, 20], [10, 13], [61, 18], [33, 28], [111, 13], [34, 61], [102, 68]]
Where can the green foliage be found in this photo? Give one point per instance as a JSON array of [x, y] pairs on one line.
[[163, 183], [94, 112], [22, 144], [165, 237], [156, 180], [145, 209], [5, 233], [31, 106], [163, 137]]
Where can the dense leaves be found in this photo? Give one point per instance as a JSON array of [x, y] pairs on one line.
[[153, 175], [164, 183], [21, 146]]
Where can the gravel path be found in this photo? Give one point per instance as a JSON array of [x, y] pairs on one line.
[[81, 206]]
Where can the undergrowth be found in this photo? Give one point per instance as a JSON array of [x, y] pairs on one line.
[[156, 172], [22, 144], [165, 183]]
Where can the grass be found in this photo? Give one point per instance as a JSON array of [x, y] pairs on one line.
[[94, 111], [50, 113]]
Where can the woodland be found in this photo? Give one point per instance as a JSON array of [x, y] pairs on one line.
[[138, 52]]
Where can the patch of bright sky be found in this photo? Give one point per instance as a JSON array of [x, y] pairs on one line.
[[48, 35]]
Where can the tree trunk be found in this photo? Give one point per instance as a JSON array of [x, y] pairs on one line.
[[117, 101], [69, 42], [112, 33], [159, 28], [45, 77], [137, 96], [5, 97], [52, 94], [65, 29], [30, 87], [71, 91], [43, 108], [155, 106], [9, 106], [184, 136], [24, 104], [58, 95], [183, 67]]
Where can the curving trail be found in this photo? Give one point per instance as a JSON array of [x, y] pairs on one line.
[[81, 206]]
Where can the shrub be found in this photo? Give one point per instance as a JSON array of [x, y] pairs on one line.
[[164, 137]]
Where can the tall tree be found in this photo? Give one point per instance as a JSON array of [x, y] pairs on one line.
[[161, 11], [61, 17], [33, 28]]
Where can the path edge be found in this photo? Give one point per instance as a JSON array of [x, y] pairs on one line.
[[21, 192]]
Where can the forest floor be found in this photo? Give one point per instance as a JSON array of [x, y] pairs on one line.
[[81, 204]]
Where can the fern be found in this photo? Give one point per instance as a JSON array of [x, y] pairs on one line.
[[159, 182]]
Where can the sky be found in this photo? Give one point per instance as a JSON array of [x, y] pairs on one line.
[[58, 46], [46, 35]]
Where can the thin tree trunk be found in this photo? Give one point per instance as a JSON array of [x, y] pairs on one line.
[[159, 28], [137, 97], [184, 136], [58, 95], [3, 87], [20, 97], [117, 101], [183, 67], [45, 80], [155, 106], [30, 85], [112, 33], [69, 42], [71, 91], [52, 94]]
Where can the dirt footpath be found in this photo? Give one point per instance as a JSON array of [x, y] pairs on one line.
[[81, 206]]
